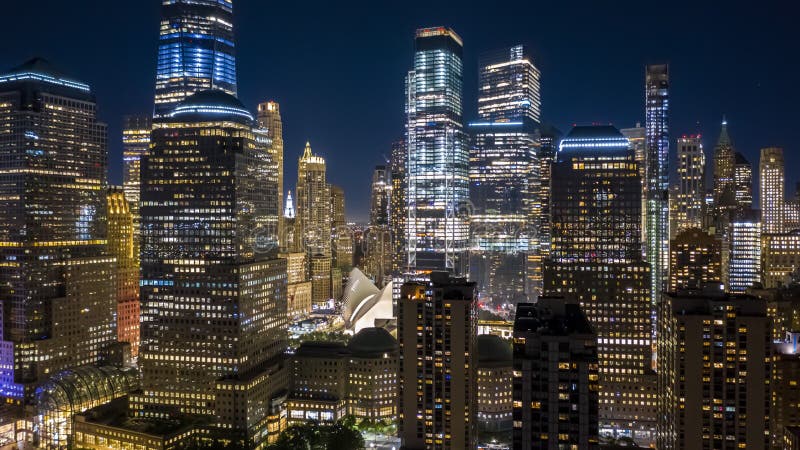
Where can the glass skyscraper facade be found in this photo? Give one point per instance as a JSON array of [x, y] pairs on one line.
[[437, 196], [505, 259], [213, 291], [56, 281], [657, 174], [196, 51]]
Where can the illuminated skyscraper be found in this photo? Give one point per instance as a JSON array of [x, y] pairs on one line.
[[549, 139], [504, 179], [269, 118], [135, 142], [636, 137], [196, 51], [509, 86], [781, 257], [597, 260], [724, 168], [437, 222], [379, 196], [695, 260], [772, 185], [691, 183], [744, 265], [743, 182], [314, 223], [121, 246], [341, 236], [437, 329], [213, 291], [397, 214], [713, 372], [657, 175], [57, 286]]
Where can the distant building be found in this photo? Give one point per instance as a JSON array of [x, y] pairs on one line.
[[397, 208], [495, 381], [743, 178], [695, 260], [269, 118], [636, 137], [549, 140], [298, 287], [556, 387], [314, 221], [135, 143], [320, 275], [781, 257], [744, 265], [437, 329], [691, 183], [121, 246], [724, 167], [772, 186], [714, 354]]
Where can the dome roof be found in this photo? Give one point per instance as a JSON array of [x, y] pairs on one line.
[[212, 104], [372, 340], [42, 71], [493, 349]]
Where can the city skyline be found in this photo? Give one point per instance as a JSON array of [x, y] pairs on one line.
[[753, 97]]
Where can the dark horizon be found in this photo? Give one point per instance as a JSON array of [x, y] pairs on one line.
[[338, 71]]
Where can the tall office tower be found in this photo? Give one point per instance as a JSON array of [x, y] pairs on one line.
[[504, 178], [341, 235], [437, 217], [320, 274], [597, 260], [744, 264], [195, 51], [549, 140], [53, 160], [695, 260], [269, 118], [657, 175], [724, 169], [380, 194], [772, 196], [555, 377], [785, 395], [290, 225], [135, 142], [298, 287], [636, 137], [743, 182], [713, 371], [397, 208], [791, 211], [206, 277], [781, 257], [509, 86], [314, 222], [121, 246], [437, 328], [690, 203]]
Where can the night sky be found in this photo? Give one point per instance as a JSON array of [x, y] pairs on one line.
[[337, 68]]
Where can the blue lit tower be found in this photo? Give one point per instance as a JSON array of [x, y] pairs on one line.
[[505, 260], [196, 51], [437, 227], [656, 182]]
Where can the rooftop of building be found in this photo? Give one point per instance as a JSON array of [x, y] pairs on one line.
[[594, 137], [712, 300], [212, 104], [370, 341], [40, 70], [551, 316], [320, 349], [493, 350]]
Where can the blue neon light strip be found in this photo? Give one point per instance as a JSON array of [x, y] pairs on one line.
[[44, 78], [210, 109]]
